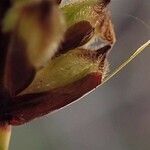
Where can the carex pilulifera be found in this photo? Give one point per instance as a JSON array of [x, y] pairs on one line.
[[51, 54]]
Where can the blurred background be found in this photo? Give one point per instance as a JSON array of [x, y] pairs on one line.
[[116, 116]]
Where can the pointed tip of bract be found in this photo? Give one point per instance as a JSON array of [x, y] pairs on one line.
[[105, 2], [103, 50]]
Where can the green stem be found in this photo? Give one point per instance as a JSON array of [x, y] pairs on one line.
[[5, 133]]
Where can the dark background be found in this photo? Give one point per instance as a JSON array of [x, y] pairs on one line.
[[116, 116]]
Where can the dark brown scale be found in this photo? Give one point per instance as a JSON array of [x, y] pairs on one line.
[[4, 38], [4, 100], [76, 36], [4, 41], [18, 71], [27, 107]]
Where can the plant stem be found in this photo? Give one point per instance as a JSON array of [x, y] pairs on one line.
[[5, 133]]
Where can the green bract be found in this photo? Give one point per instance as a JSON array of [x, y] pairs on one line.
[[66, 69], [78, 11]]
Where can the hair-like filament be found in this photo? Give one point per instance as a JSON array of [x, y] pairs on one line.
[[124, 64]]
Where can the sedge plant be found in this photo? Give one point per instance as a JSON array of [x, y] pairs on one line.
[[50, 56]]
